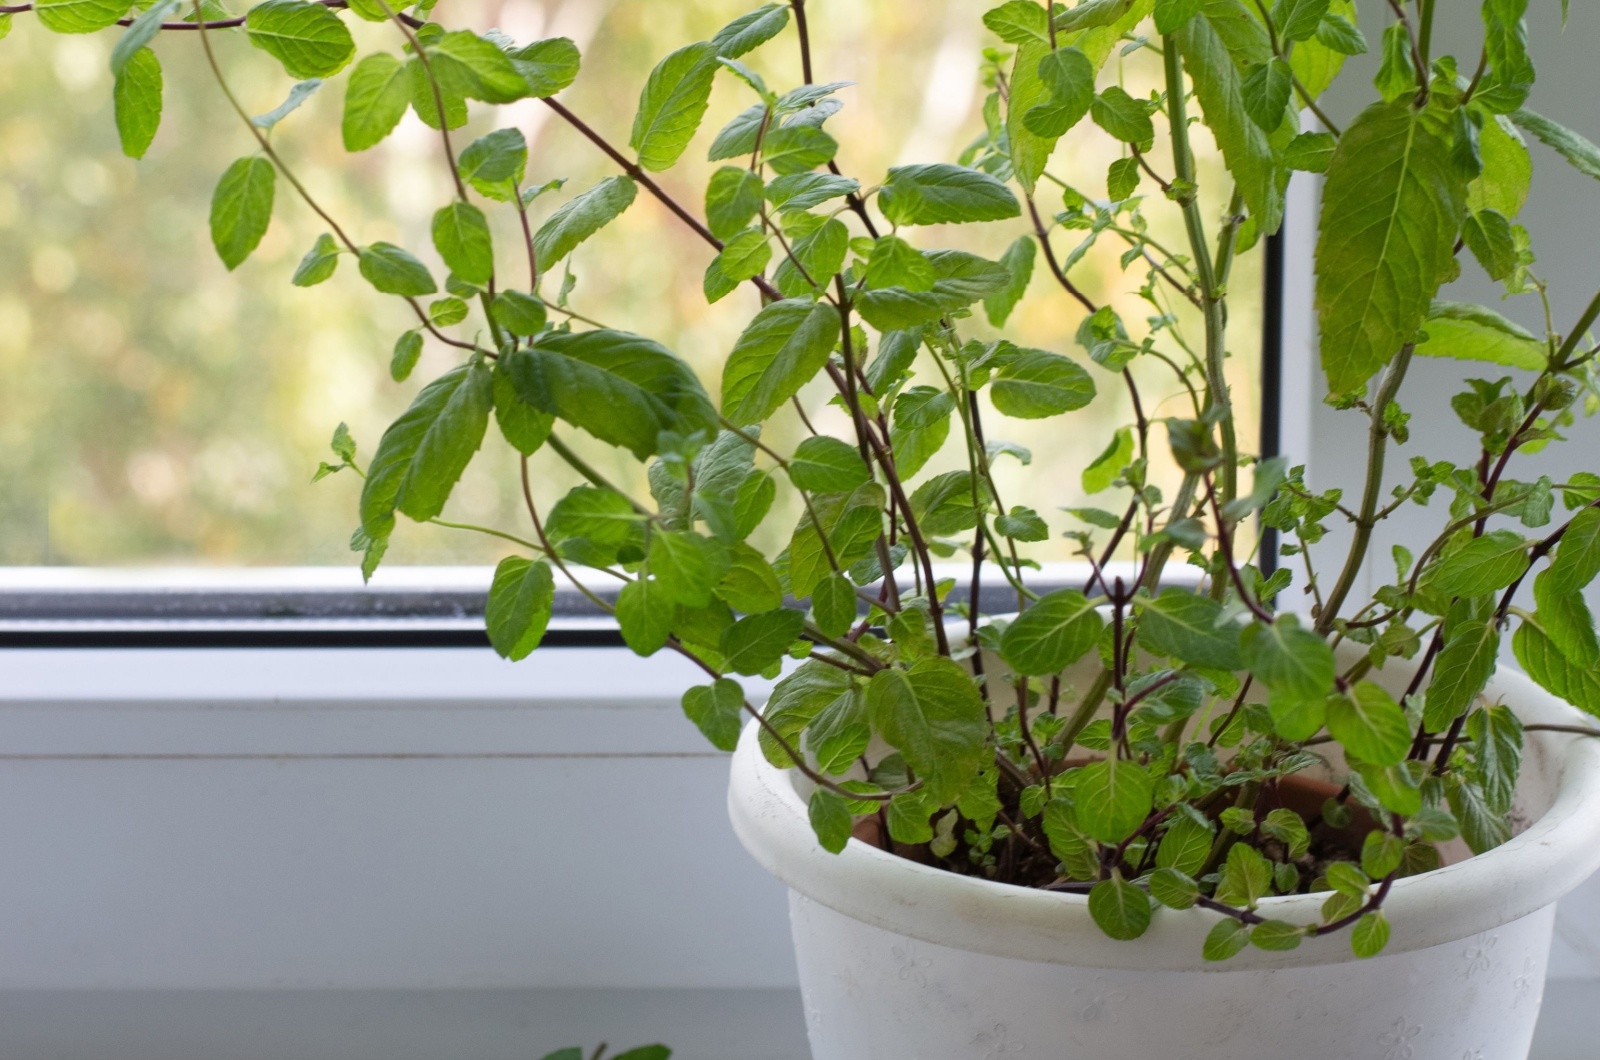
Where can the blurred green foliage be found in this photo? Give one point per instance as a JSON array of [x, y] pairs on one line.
[[160, 410]]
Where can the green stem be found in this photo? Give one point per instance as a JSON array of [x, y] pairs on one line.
[[1377, 446], [582, 467], [1211, 292]]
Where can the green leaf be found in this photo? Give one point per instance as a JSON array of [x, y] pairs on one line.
[[425, 99], [1057, 631], [932, 714], [1265, 92], [1245, 145], [1297, 20], [518, 313], [241, 209], [620, 388], [375, 101], [1391, 210], [940, 193], [1381, 853], [138, 99], [1484, 565], [393, 270], [1023, 524], [959, 280], [1226, 939], [802, 191], [1496, 735], [733, 197], [830, 819], [1185, 846], [833, 605], [1120, 909], [1295, 719], [79, 16], [592, 525], [407, 351], [751, 585], [1341, 36], [1113, 798], [1173, 889], [839, 734], [672, 104], [1310, 152], [143, 30], [308, 39], [786, 344], [687, 565], [423, 453], [1576, 681], [1396, 787], [853, 522], [1481, 828], [548, 66], [813, 260], [1583, 155], [1184, 625], [755, 644], [827, 465], [581, 218], [1110, 463], [645, 616], [1038, 384], [1125, 118], [949, 503], [1122, 179], [1276, 935], [1246, 877], [1577, 560], [1463, 668], [524, 426], [1493, 242], [468, 66], [1293, 662], [751, 30], [795, 149], [1370, 935], [1370, 725], [1474, 333], [520, 601], [1069, 75], [1510, 74], [716, 710], [1507, 170], [1018, 22], [1288, 828], [744, 256], [461, 235], [1018, 261], [495, 164], [896, 263], [319, 263]]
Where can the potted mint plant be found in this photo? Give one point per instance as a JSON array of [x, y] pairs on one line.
[[1122, 819]]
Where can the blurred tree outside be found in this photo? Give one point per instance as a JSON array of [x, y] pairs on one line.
[[160, 410]]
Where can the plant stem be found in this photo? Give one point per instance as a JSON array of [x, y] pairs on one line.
[[1377, 444], [1211, 294]]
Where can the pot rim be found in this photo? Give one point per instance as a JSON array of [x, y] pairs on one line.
[[1528, 872]]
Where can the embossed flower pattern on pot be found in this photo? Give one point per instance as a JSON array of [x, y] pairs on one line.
[[999, 1043], [1396, 1041], [1099, 1001], [1522, 986], [1480, 955], [913, 966]]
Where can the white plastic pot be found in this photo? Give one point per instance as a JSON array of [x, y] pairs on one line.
[[899, 961]]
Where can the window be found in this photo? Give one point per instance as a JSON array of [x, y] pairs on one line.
[[165, 412]]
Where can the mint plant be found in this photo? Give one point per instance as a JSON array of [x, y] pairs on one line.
[[1172, 773]]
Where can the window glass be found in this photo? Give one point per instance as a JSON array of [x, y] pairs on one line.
[[162, 410]]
